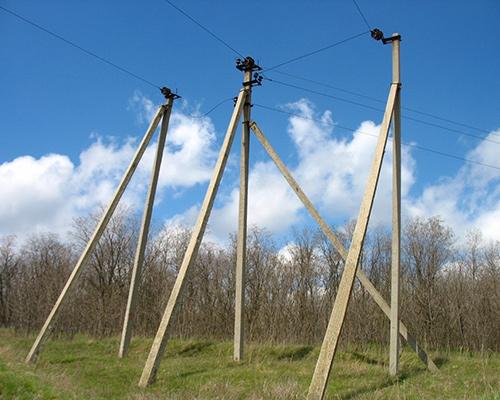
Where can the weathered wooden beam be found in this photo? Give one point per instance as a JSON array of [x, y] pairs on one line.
[[325, 228], [329, 347], [143, 234], [101, 226], [164, 330]]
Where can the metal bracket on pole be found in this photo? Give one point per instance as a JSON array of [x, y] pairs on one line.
[[165, 91], [377, 34], [249, 66]]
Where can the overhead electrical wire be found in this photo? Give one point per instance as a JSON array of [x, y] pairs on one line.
[[362, 15], [102, 59], [444, 154], [217, 105], [211, 33], [371, 98], [77, 46], [220, 40], [442, 127], [348, 39], [273, 68]]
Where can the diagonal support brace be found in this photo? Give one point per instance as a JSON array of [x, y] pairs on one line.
[[332, 237], [162, 335]]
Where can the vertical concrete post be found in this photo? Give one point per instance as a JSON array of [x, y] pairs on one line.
[[143, 235], [241, 246], [329, 347], [101, 226], [396, 215], [160, 342]]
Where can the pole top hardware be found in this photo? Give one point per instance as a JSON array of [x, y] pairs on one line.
[[165, 91], [248, 65], [377, 34]]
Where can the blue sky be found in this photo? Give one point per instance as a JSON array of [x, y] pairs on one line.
[[77, 117]]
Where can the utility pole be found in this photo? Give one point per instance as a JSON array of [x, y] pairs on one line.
[[396, 213], [162, 335], [101, 226], [248, 67], [319, 380], [146, 221]]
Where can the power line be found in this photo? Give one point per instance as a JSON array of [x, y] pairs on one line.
[[361, 14], [219, 39], [211, 33], [76, 46], [364, 96], [371, 98], [348, 39], [442, 127], [217, 105], [467, 160]]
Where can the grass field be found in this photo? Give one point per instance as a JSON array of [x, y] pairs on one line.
[[85, 368]]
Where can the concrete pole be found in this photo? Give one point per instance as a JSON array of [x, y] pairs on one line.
[[165, 328], [370, 288], [241, 246], [143, 235], [47, 326], [337, 317], [396, 215]]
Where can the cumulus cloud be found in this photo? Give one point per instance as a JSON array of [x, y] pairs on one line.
[[45, 194], [469, 199], [333, 170]]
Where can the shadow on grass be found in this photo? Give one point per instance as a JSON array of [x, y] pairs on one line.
[[363, 358], [67, 360], [190, 373], [294, 354], [440, 361], [389, 381], [193, 349]]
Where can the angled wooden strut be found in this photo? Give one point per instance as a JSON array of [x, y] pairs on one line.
[[101, 226], [325, 228], [336, 321], [143, 235], [329, 347], [165, 328]]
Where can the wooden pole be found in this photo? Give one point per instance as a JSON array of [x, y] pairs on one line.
[[47, 326], [329, 346], [396, 215], [241, 246], [370, 288], [143, 235], [164, 330]]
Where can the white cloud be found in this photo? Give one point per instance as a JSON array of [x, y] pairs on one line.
[[470, 199], [333, 171], [45, 194]]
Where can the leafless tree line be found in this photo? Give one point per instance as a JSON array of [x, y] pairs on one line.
[[450, 292]]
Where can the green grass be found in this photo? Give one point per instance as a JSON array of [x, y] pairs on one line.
[[86, 368]]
